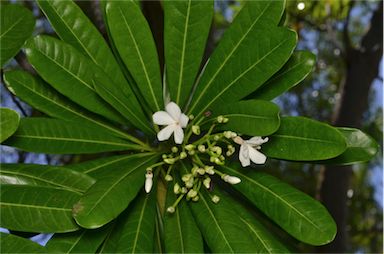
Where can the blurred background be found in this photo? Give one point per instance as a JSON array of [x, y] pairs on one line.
[[344, 89]]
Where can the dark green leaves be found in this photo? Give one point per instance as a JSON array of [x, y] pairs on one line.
[[134, 42], [303, 139], [294, 71], [37, 209], [253, 117], [69, 72], [297, 213], [360, 148], [16, 26], [180, 230], [186, 30], [60, 137], [250, 52], [14, 244], [9, 121], [44, 175], [111, 194]]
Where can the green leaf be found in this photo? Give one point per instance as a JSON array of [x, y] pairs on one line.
[[83, 241], [42, 97], [221, 226], [293, 72], [46, 135], [109, 196], [181, 234], [97, 168], [112, 94], [14, 244], [360, 148], [297, 213], [133, 39], [135, 228], [69, 72], [37, 209], [250, 52], [16, 26], [158, 245], [186, 29], [303, 139], [9, 121], [44, 175], [253, 117]]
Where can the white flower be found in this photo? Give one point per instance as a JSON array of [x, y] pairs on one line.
[[148, 181], [249, 150], [175, 121]]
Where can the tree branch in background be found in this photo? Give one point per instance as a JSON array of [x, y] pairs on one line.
[[362, 69]]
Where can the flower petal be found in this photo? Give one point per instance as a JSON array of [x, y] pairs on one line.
[[244, 156], [256, 156], [183, 120], [166, 132], [162, 118], [256, 141], [173, 110], [178, 135]]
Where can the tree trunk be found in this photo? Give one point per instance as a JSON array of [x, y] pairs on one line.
[[362, 69]]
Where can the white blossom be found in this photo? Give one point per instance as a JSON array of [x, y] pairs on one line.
[[249, 150], [148, 181], [174, 120], [231, 179]]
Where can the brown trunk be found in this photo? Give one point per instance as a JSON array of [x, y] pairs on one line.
[[362, 69]]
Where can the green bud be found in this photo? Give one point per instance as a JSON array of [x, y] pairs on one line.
[[191, 117], [192, 152], [190, 147], [209, 170], [174, 149], [207, 182], [164, 156], [168, 178], [191, 193], [169, 160], [171, 209], [220, 119], [225, 120], [195, 199], [176, 188], [183, 155], [201, 171], [216, 137], [201, 148], [186, 177], [196, 129], [215, 199], [184, 190]]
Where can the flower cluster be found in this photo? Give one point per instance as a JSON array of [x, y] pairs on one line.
[[206, 154]]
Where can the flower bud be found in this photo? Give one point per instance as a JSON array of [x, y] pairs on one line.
[[183, 155], [220, 119], [191, 117], [189, 147], [171, 209], [191, 193], [225, 120], [227, 134], [148, 181], [207, 182], [196, 129], [192, 152], [195, 199], [174, 149], [215, 199], [184, 190], [169, 160], [201, 148], [231, 179], [216, 137], [168, 178], [176, 188], [209, 170], [201, 171]]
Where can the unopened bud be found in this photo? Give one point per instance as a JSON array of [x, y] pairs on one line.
[[176, 188], [190, 147], [209, 170], [201, 148], [196, 129], [225, 120], [215, 199], [169, 160], [195, 199], [191, 117], [231, 179], [227, 134], [174, 149], [200, 171], [207, 182], [148, 181], [183, 155], [184, 190], [191, 193], [216, 137], [220, 119], [192, 152], [171, 209], [168, 178]]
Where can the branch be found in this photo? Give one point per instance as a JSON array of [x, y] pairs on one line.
[[346, 38]]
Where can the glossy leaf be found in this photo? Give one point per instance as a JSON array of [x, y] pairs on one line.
[[16, 26], [133, 39], [360, 148], [158, 243], [221, 226], [253, 117], [113, 95], [42, 97], [15, 244], [109, 196], [245, 57], [37, 209], [181, 234], [45, 175], [186, 29], [46, 135], [265, 242], [83, 241], [69, 72], [297, 213], [135, 228], [9, 121], [293, 72], [303, 139]]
